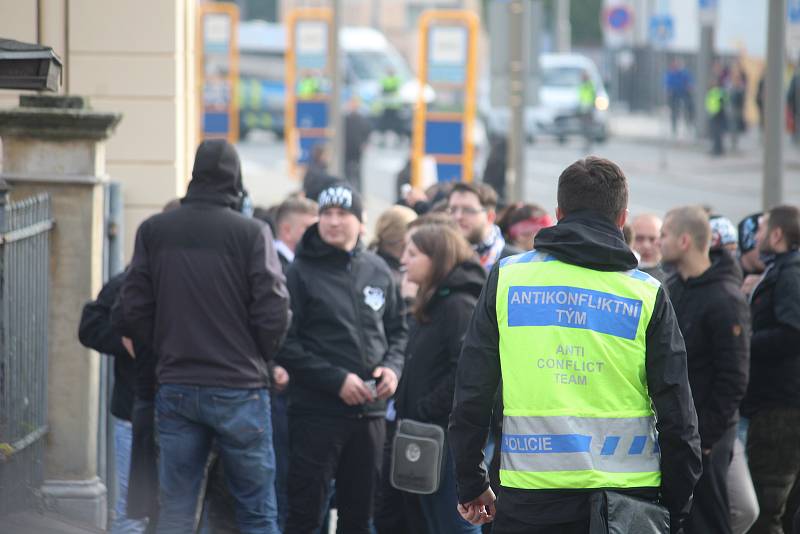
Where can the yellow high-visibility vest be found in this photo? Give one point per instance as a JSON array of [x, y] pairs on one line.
[[577, 413]]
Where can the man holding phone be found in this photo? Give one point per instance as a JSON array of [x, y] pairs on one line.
[[344, 352]]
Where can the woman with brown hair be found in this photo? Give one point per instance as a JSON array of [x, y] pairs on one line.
[[441, 262]]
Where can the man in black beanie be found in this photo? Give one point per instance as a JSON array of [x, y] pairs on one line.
[[344, 352]]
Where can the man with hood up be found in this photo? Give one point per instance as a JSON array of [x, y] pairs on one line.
[[205, 290]]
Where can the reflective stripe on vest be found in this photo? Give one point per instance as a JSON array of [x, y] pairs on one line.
[[572, 352]]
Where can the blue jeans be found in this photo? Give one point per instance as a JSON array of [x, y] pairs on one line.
[[188, 418], [123, 436], [439, 508]]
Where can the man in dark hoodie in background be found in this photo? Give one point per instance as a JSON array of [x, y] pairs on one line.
[[592, 362], [205, 290], [714, 320], [344, 353], [773, 396]]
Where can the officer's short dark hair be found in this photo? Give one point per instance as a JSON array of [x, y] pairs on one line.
[[787, 218], [485, 193], [595, 184]]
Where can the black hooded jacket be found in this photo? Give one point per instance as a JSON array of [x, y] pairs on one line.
[[591, 241], [205, 288], [714, 320], [425, 392], [775, 345], [348, 317]]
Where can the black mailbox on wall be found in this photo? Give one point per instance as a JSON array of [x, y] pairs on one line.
[[28, 66]]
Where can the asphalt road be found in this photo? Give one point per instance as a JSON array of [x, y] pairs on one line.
[[661, 175]]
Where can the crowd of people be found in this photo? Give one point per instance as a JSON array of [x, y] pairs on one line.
[[262, 363]]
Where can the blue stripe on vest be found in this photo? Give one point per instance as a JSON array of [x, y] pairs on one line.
[[644, 277], [545, 443], [574, 307], [526, 257], [610, 446]]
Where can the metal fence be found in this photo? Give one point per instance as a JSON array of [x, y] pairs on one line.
[[24, 281]]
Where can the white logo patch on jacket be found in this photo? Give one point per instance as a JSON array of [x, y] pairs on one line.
[[373, 297]]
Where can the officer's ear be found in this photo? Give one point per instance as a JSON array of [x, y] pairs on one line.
[[622, 218], [559, 213]]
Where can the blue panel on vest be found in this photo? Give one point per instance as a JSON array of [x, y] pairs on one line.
[[312, 115], [545, 443], [637, 445], [215, 123], [610, 446], [574, 307], [447, 172], [444, 137]]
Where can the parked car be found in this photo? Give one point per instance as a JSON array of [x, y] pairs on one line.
[[557, 112]]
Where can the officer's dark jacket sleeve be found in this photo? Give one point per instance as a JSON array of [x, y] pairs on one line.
[[269, 308], [307, 369], [676, 419], [96, 330], [730, 354], [138, 294], [780, 340], [396, 329], [477, 379]]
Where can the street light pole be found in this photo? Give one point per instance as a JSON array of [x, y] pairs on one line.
[[772, 194], [563, 27], [335, 103], [515, 178]]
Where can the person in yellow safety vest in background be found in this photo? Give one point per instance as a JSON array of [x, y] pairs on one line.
[[309, 87], [586, 98], [715, 108], [390, 100], [597, 403]]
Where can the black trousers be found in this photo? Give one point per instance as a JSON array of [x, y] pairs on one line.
[[143, 481], [325, 448], [773, 454], [710, 513]]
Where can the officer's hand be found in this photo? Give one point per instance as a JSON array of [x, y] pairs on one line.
[[481, 510], [387, 382], [353, 391], [280, 378]]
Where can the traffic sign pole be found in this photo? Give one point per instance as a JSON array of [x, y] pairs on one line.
[[772, 193]]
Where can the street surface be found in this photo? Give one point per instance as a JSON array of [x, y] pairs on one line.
[[661, 174]]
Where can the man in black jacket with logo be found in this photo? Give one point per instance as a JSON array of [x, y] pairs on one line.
[[344, 353], [773, 397], [714, 320], [206, 292]]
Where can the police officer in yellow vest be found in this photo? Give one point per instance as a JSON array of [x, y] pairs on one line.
[[594, 375], [310, 86], [390, 100], [717, 120], [586, 97]]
